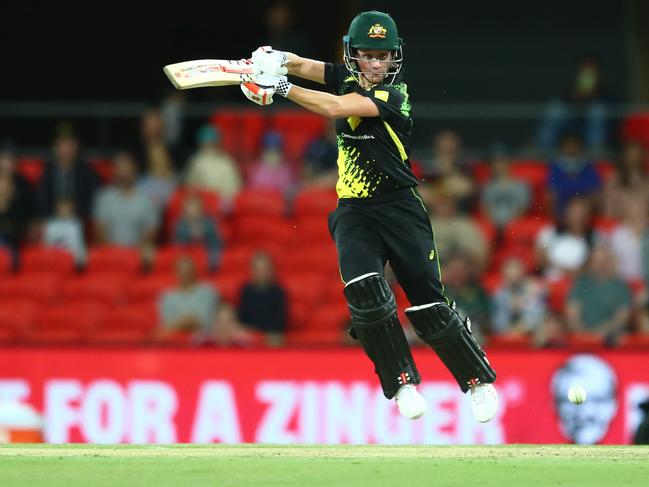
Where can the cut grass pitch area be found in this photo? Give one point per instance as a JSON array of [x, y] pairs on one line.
[[365, 466]]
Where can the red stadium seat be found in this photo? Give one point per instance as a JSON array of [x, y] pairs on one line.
[[259, 203], [241, 132], [16, 318], [31, 168], [584, 340], [298, 128], [5, 262], [250, 229], [315, 202], [509, 341], [63, 324], [328, 317], [113, 258], [312, 230], [104, 287], [148, 289], [636, 128], [166, 258], [47, 259], [43, 287], [605, 169], [491, 281], [635, 341], [304, 287], [558, 292], [229, 285], [127, 325], [314, 338], [524, 230], [316, 258]]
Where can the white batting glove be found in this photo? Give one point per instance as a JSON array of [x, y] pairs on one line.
[[268, 62]]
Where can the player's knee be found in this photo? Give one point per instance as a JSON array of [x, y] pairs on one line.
[[371, 301], [434, 321]]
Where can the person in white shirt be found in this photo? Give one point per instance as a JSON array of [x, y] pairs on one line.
[[64, 230]]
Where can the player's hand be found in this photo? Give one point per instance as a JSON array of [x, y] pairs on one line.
[[261, 95], [268, 62]]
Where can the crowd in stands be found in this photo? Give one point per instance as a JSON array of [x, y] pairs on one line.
[[230, 245]]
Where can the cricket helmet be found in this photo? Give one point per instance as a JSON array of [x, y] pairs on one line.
[[373, 30]]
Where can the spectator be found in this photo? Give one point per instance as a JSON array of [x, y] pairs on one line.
[[191, 306], [503, 197], [211, 168], [461, 285], [563, 249], [152, 141], [456, 233], [627, 238], [65, 231], [571, 174], [194, 227], [599, 301], [629, 177], [123, 215], [263, 301], [583, 110], [159, 182], [272, 171], [518, 306], [66, 175], [228, 330], [22, 190], [320, 167], [450, 168], [16, 210]]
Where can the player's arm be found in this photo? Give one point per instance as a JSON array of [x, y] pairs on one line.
[[333, 106], [305, 68]]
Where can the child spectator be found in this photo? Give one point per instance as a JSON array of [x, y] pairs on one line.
[[195, 228], [65, 231]]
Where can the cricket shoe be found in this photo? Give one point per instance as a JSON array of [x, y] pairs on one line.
[[410, 403], [484, 402]]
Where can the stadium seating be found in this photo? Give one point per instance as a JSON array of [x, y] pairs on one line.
[[315, 202], [5, 262], [127, 325], [148, 289], [166, 258], [259, 203], [65, 324], [16, 319], [49, 259], [102, 287], [31, 168], [41, 287], [110, 258]]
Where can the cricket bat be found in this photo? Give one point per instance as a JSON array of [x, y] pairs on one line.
[[209, 72]]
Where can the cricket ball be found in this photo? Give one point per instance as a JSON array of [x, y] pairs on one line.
[[576, 394]]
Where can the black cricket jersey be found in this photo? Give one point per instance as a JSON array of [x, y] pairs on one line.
[[372, 151]]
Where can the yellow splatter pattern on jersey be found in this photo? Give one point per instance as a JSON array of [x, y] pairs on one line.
[[354, 181]]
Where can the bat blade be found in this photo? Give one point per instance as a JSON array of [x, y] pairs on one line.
[[208, 72]]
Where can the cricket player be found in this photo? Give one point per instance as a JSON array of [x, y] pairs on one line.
[[380, 216]]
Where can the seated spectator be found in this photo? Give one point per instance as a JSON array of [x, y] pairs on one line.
[[461, 284], [571, 174], [518, 306], [211, 168], [16, 210], [263, 301], [123, 215], [64, 230], [583, 109], [153, 142], [272, 171], [228, 330], [629, 177], [190, 306], [194, 227], [66, 175], [449, 167], [503, 197], [320, 167], [454, 232], [159, 182], [562, 249], [599, 301], [626, 239]]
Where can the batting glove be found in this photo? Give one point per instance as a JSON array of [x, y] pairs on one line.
[[261, 95], [267, 62]]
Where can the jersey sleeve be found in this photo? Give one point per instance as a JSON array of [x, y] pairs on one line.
[[388, 100], [334, 76]]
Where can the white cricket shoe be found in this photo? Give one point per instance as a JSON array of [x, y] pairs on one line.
[[484, 402], [410, 403]]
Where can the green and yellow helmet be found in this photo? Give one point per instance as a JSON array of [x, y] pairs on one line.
[[373, 30]]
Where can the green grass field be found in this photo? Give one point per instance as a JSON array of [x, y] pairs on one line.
[[366, 466]]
